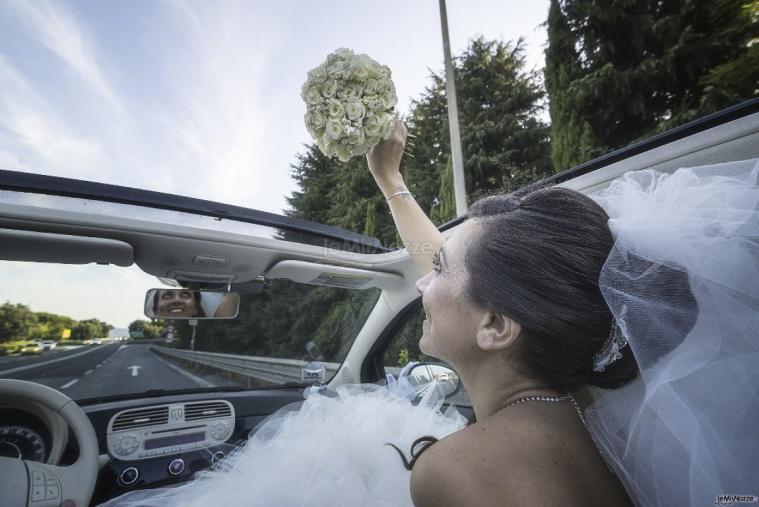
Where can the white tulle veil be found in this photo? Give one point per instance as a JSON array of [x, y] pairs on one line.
[[687, 429]]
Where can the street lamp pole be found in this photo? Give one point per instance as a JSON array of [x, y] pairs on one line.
[[459, 186]]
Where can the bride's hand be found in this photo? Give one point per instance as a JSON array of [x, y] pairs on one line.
[[384, 159]]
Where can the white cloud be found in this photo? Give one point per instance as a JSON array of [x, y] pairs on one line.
[[220, 123], [34, 137], [58, 31]]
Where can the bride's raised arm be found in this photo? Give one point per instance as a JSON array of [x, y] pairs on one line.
[[419, 235]]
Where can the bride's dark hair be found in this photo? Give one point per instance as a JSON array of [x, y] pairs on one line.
[[538, 261]]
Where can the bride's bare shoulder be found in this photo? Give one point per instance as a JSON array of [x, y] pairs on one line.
[[505, 463], [475, 466]]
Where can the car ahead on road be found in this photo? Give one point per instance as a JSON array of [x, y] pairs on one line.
[[31, 347], [49, 344], [149, 413]]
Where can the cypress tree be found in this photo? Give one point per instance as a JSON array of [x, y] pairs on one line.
[[503, 139], [621, 70], [444, 208], [370, 225]]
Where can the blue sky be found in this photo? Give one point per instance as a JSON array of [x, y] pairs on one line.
[[202, 98]]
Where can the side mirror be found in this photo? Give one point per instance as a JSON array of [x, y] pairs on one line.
[[424, 376], [191, 304]]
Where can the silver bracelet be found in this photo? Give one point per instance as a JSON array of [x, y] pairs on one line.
[[398, 193]]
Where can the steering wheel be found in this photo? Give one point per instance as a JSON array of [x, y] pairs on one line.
[[27, 483]]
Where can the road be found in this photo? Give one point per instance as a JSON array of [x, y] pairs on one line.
[[103, 370]]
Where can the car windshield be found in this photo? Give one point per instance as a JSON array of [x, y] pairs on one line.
[[82, 329]]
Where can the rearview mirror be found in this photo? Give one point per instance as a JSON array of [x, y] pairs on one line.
[[191, 304]]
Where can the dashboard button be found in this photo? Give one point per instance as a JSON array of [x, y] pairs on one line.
[[37, 479], [51, 493], [176, 466], [38, 493], [129, 476]]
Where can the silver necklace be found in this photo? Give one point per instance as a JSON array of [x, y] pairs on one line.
[[570, 399]]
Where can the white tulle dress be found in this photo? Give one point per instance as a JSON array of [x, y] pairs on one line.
[[329, 452]]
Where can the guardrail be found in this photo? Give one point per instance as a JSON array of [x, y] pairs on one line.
[[276, 371]]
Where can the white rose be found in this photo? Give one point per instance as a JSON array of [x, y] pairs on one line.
[[336, 70], [374, 69], [313, 95], [326, 145], [344, 53], [360, 72], [370, 88], [353, 136], [334, 130], [344, 152], [354, 90], [389, 100], [386, 87], [355, 109], [373, 140], [387, 123], [370, 101], [335, 109], [372, 127], [317, 74], [315, 119], [384, 72], [329, 88]]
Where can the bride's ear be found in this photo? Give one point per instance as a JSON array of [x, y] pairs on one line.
[[497, 331]]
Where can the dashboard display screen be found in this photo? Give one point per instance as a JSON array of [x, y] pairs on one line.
[[174, 440]]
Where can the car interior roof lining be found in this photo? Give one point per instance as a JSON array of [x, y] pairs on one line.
[[17, 245]]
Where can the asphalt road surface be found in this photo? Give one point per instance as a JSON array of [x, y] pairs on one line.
[[103, 370]]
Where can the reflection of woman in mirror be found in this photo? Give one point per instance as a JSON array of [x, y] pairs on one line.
[[177, 303]]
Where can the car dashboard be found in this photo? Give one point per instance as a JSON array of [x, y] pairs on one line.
[[164, 441], [145, 442]]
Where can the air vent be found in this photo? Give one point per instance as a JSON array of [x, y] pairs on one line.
[[131, 419], [206, 410]]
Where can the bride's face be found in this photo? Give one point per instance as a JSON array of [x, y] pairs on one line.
[[450, 325]]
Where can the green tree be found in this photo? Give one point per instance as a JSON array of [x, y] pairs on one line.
[[89, 329], [620, 71], [444, 206], [370, 224], [145, 329], [16, 321], [50, 326], [504, 142]]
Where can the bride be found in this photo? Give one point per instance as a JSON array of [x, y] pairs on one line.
[[608, 345]]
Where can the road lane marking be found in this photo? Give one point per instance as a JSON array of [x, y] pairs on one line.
[[187, 374], [45, 363], [135, 370], [69, 384], [88, 372]]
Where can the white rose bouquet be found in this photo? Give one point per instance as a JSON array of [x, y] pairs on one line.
[[349, 104]]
